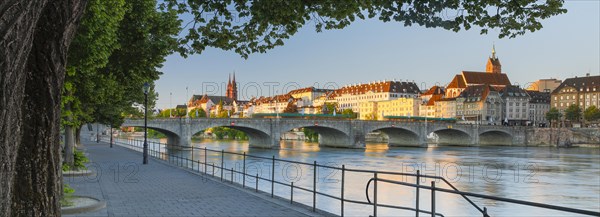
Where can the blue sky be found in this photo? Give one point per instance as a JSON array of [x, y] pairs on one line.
[[567, 46]]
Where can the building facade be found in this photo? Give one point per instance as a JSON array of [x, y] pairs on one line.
[[515, 105], [350, 97], [539, 105], [479, 104], [582, 91], [544, 85], [377, 110]]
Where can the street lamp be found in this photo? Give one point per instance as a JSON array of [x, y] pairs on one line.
[[146, 89]]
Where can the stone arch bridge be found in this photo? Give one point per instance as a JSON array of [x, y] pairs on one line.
[[266, 133]]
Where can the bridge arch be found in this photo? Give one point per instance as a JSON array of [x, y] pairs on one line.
[[495, 137], [398, 136], [257, 137], [451, 136], [328, 135], [173, 138]]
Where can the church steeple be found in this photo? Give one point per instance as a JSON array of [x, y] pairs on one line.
[[493, 63], [231, 88]]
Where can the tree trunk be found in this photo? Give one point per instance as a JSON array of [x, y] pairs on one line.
[[69, 146], [34, 38], [78, 136]]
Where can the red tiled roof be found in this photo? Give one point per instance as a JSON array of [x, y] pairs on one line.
[[379, 87], [434, 90], [474, 78], [434, 98], [457, 82], [581, 84]]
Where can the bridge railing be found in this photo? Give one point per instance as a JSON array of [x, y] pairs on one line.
[[202, 165]]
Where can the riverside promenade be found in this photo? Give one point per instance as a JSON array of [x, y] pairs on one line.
[[158, 189]]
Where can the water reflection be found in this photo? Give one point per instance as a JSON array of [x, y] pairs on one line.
[[566, 177]]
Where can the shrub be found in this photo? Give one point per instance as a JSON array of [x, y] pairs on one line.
[[67, 194]]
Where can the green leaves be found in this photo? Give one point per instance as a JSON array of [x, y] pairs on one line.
[[553, 115], [257, 26], [592, 113], [573, 112]]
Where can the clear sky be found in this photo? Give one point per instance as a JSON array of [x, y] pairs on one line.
[[568, 45]]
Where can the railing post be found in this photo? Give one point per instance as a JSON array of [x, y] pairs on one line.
[[432, 198], [342, 200], [256, 189], [375, 195], [292, 193], [192, 158], [485, 212], [222, 162], [213, 169], [273, 177], [244, 172], [232, 175], [314, 208], [417, 193], [205, 161]]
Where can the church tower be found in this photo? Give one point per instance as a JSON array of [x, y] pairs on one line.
[[232, 88], [493, 63]]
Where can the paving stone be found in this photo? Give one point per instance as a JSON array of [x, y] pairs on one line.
[[156, 189]]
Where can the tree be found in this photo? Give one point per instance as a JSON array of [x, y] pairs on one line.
[[573, 113], [592, 113], [35, 38], [95, 40], [349, 113], [257, 26], [201, 113], [310, 135], [329, 108], [553, 115]]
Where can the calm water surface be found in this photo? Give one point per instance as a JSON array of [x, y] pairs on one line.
[[565, 177]]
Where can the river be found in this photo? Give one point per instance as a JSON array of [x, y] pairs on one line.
[[559, 176]]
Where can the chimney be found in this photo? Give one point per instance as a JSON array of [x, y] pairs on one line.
[[587, 74]]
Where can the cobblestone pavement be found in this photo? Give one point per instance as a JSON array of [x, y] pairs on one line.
[[156, 189]]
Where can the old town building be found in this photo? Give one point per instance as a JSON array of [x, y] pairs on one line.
[[350, 97], [544, 85], [479, 104], [515, 105], [445, 108], [582, 91], [493, 76], [428, 99], [539, 105]]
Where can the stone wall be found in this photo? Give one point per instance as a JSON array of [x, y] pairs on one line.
[[563, 137]]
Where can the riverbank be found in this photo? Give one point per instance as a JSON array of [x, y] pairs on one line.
[[158, 189], [564, 137]]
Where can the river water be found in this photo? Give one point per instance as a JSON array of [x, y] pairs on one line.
[[559, 176]]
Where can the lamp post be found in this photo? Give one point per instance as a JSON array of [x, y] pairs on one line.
[[146, 89]]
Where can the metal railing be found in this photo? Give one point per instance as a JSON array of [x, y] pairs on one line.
[[180, 160]]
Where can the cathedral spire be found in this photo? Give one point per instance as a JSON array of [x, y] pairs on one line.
[[233, 77], [494, 51], [229, 81]]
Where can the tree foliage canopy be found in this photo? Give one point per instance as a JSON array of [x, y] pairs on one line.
[[592, 113], [573, 112], [257, 26]]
